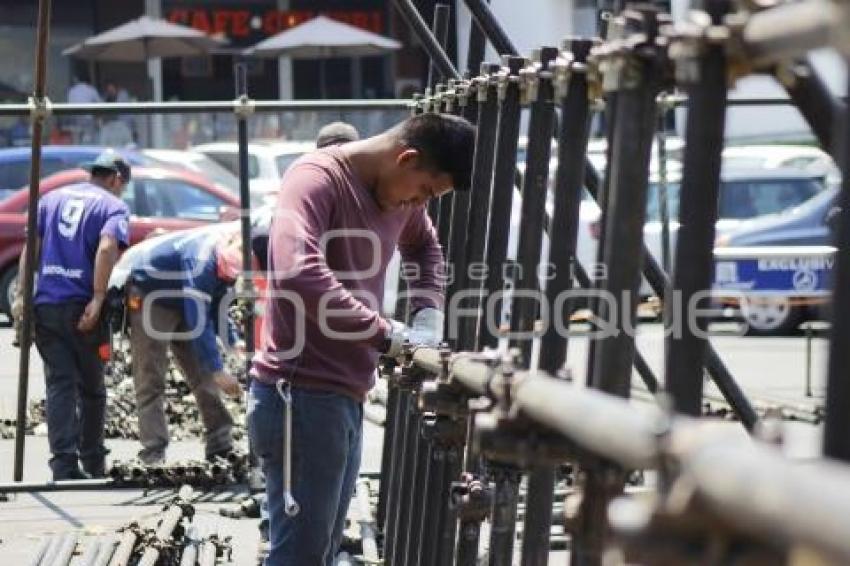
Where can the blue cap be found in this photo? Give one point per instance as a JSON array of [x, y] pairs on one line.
[[109, 161]]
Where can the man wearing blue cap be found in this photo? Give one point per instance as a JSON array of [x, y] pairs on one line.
[[81, 229]]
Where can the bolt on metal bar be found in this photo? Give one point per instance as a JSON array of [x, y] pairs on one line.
[[26, 331], [698, 212], [502, 192], [836, 441]]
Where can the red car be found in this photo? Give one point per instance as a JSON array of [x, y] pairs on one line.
[[159, 199]]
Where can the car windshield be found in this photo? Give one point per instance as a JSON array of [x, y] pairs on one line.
[[757, 197]]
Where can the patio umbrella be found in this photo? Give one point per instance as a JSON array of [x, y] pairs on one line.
[[322, 38], [142, 39]]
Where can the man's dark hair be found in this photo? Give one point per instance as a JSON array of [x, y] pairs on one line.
[[445, 142]]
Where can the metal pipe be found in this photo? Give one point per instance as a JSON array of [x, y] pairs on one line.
[[121, 556], [524, 308], [264, 106], [447, 521], [438, 56], [786, 31], [387, 454], [207, 553], [205, 107], [26, 332], [572, 147], [89, 557], [241, 77], [190, 554], [809, 93], [836, 443], [600, 423], [367, 525], [66, 550], [479, 204], [412, 486], [502, 192], [106, 551], [170, 519], [391, 533], [698, 212], [503, 518], [430, 526], [41, 550], [486, 20], [65, 485], [762, 493], [440, 29], [476, 48]]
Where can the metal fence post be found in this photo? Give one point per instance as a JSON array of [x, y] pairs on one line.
[[39, 113], [698, 209], [502, 192], [632, 69]]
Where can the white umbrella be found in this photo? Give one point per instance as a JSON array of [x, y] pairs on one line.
[[322, 38], [142, 39]]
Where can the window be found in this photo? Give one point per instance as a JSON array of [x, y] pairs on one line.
[[177, 199], [747, 199], [16, 174], [283, 161], [129, 197], [230, 161], [653, 204]]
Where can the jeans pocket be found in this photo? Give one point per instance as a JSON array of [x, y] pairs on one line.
[[265, 422]]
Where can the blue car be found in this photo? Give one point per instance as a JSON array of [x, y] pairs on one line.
[[781, 235], [15, 162]]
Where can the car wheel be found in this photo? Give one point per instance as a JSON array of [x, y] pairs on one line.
[[770, 316], [8, 283]]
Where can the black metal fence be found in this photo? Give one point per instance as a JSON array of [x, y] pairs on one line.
[[476, 432], [490, 436]]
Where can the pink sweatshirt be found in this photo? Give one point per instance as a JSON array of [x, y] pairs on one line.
[[329, 247]]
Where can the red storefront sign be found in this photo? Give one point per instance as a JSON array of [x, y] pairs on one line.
[[241, 24]]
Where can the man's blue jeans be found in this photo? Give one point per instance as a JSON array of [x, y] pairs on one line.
[[326, 445]]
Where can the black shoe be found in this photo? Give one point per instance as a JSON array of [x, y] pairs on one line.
[[72, 474]]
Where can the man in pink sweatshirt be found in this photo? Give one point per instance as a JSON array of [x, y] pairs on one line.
[[341, 213]]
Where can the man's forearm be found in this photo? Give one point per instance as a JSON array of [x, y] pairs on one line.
[[105, 260]]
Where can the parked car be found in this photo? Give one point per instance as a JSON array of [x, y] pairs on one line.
[[197, 163], [805, 157], [159, 199], [15, 162], [803, 225], [267, 162], [744, 194]]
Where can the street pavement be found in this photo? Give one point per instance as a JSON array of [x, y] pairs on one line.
[[772, 369]]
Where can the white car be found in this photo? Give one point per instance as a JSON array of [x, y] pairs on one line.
[[267, 162]]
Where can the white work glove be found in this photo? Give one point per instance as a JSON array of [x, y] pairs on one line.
[[396, 337], [426, 328]]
